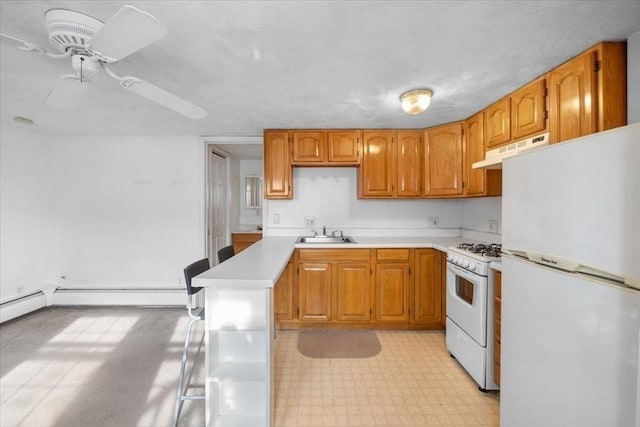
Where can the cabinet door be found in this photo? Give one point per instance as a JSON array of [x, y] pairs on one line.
[[497, 326], [314, 297], [392, 285], [428, 289], [343, 147], [353, 291], [283, 294], [474, 152], [377, 167], [528, 106], [408, 163], [443, 160], [277, 165], [572, 99], [308, 147], [497, 125]]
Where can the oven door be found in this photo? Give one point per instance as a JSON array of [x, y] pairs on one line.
[[467, 302]]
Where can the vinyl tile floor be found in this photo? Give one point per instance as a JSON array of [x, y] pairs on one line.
[[412, 382]]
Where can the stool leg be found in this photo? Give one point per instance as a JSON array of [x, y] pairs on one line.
[[183, 365]]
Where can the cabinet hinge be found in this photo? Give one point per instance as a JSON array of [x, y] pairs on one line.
[[462, 184], [409, 272], [371, 271], [545, 115], [596, 66], [545, 92], [370, 312], [297, 311]]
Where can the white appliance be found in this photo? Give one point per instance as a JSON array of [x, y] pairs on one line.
[[493, 158], [469, 333], [570, 305]]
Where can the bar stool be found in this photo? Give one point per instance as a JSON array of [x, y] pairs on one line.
[[190, 272], [225, 253]]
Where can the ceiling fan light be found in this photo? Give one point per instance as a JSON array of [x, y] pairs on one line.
[[415, 101]]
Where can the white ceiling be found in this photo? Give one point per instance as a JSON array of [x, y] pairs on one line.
[[326, 64]]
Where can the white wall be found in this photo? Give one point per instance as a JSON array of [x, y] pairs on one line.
[[633, 78], [249, 216], [330, 195], [25, 187], [477, 212], [115, 212]]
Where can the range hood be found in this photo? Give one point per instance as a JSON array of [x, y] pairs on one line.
[[493, 158]]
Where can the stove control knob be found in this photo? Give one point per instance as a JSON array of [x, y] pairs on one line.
[[457, 260], [472, 267], [465, 263]]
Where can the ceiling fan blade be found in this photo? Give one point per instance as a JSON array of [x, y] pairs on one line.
[[25, 44], [129, 30], [162, 97], [67, 92]]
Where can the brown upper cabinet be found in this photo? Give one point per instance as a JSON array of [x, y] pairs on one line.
[[391, 164], [588, 93], [443, 160], [325, 148], [478, 182], [278, 174], [529, 110], [408, 153], [497, 123], [377, 168]]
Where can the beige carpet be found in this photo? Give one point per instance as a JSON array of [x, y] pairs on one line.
[[339, 344]]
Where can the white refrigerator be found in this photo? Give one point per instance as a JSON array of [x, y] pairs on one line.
[[570, 341]]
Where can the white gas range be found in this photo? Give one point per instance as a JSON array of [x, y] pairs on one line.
[[469, 332]]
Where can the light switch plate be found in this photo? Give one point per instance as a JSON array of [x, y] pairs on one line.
[[432, 222], [310, 221], [493, 226], [276, 218]]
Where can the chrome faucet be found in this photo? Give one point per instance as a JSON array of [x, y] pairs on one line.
[[333, 234], [324, 230]]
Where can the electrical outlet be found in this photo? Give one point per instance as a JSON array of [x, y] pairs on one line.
[[179, 280], [493, 226], [276, 218], [19, 289], [432, 222], [310, 221]]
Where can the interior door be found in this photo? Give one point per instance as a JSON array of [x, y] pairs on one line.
[[217, 209]]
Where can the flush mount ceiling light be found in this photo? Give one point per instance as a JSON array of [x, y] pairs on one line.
[[415, 101]]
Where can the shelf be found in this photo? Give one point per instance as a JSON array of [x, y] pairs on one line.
[[239, 371], [248, 323], [240, 421]]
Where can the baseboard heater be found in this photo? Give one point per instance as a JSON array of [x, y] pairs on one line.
[[26, 303], [21, 305], [120, 296]]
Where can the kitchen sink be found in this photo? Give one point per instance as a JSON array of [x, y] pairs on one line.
[[325, 239]]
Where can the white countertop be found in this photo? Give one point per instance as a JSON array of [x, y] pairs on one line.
[[260, 265], [496, 265]]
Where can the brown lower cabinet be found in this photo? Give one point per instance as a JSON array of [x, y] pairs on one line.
[[394, 288], [242, 241], [497, 300]]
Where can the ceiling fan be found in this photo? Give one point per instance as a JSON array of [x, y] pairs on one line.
[[93, 46]]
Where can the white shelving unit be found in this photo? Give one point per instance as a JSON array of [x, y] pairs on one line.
[[239, 354]]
